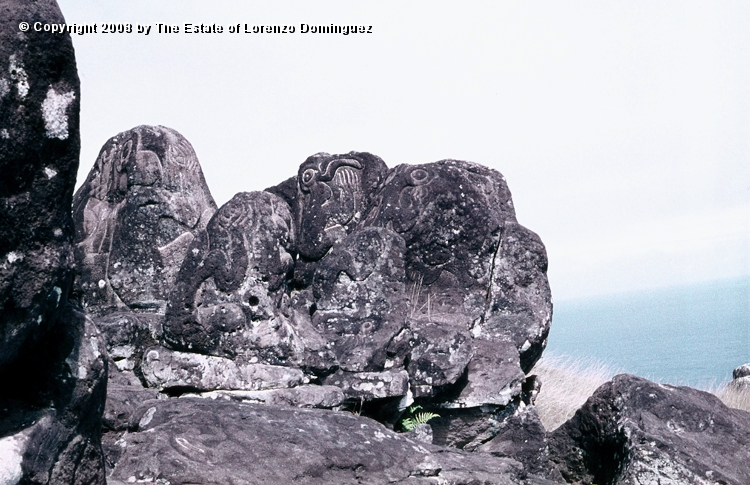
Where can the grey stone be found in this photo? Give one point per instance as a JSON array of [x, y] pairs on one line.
[[51, 405], [165, 369], [633, 431], [421, 433], [53, 366], [360, 298], [522, 437], [493, 376], [439, 356], [217, 442], [230, 298], [520, 308], [122, 402], [135, 217], [371, 385], [306, 396], [741, 371], [39, 148], [334, 193]]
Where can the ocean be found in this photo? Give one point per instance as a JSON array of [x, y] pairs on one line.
[[689, 335]]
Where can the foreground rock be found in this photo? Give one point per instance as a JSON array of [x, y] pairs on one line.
[[632, 431], [135, 217], [52, 365], [213, 442]]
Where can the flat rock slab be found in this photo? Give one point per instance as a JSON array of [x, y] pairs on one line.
[[633, 431], [182, 441], [326, 397], [166, 369], [371, 385]]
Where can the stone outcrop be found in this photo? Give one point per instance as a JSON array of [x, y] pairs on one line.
[[53, 365], [410, 285], [633, 431], [135, 217], [205, 441]]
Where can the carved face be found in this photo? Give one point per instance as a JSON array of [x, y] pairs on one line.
[[331, 200]]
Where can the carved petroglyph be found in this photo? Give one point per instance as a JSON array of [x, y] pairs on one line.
[[136, 214]]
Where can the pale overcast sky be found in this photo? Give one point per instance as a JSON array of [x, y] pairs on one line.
[[622, 128]]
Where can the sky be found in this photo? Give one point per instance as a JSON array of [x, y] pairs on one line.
[[622, 128]]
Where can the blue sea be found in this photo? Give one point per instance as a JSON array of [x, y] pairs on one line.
[[692, 335]]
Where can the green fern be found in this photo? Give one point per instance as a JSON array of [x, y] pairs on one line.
[[412, 418]]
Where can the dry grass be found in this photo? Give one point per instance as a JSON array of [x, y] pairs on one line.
[[566, 384], [737, 397]]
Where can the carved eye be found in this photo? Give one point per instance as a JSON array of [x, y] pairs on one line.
[[419, 176], [308, 176]]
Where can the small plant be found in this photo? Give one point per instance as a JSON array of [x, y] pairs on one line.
[[412, 418]]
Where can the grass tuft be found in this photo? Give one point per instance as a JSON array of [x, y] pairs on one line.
[[737, 397], [567, 383]]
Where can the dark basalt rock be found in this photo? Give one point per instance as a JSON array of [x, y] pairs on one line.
[[39, 147], [205, 441], [520, 308], [523, 437], [230, 298], [51, 405], [334, 193], [136, 215], [467, 260], [52, 365], [360, 298], [633, 431]]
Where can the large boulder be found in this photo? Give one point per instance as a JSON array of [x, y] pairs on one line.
[[468, 262], [39, 148], [205, 441], [334, 193], [52, 363], [135, 217], [360, 298], [633, 431], [230, 298]]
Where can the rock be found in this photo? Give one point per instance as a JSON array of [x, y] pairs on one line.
[[493, 376], [450, 213], [633, 431], [523, 437], [310, 396], [127, 334], [51, 405], [439, 356], [370, 385], [334, 193], [360, 298], [741, 371], [53, 366], [178, 372], [122, 402], [230, 294], [421, 433], [135, 217], [520, 307], [206, 441], [463, 248], [39, 148]]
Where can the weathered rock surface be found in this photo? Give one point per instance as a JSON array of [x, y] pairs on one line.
[[39, 147], [135, 217], [360, 298], [168, 370], [203, 441], [51, 405], [230, 298], [468, 261], [52, 365], [523, 437], [334, 193], [633, 431]]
